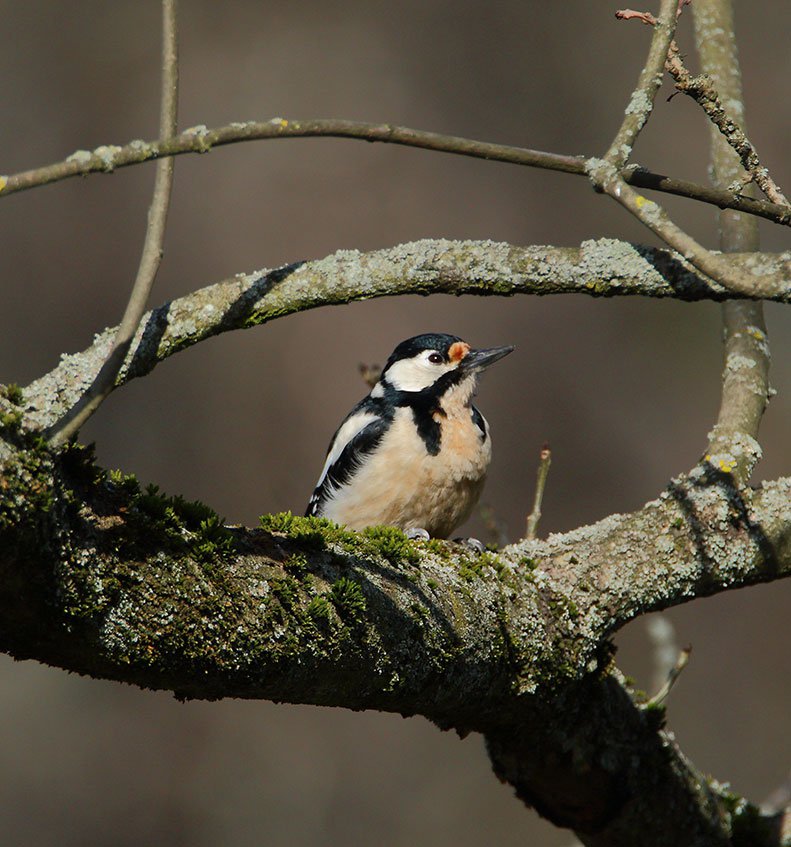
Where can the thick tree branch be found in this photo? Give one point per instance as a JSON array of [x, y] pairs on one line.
[[103, 384], [101, 578], [200, 139], [733, 442], [599, 268]]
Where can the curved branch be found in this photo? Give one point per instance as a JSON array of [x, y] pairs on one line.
[[599, 268], [200, 139]]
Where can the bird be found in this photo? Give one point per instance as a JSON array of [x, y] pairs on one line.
[[414, 452]]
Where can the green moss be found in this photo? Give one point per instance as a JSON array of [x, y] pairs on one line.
[[748, 825], [186, 525], [125, 483], [439, 548], [314, 533], [419, 612], [286, 589], [528, 562], [348, 599], [26, 485], [11, 420], [390, 543], [386, 542], [13, 393], [296, 565], [319, 610]]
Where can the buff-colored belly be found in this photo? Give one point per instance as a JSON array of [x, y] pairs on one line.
[[402, 485]]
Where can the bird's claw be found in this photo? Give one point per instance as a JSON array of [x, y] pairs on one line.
[[471, 544], [417, 533]]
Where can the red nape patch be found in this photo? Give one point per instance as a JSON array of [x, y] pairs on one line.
[[457, 351]]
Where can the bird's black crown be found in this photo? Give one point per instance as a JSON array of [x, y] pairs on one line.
[[439, 341]]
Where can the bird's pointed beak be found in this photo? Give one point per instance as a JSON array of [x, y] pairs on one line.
[[477, 360]]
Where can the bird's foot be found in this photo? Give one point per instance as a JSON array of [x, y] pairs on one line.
[[471, 544], [416, 533]]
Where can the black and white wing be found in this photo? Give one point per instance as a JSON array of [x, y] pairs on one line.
[[356, 437]]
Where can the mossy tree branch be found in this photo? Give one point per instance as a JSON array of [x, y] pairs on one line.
[[99, 577]]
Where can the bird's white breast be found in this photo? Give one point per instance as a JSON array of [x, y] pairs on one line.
[[402, 484]]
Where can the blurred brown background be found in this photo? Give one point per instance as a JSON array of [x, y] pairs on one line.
[[625, 390]]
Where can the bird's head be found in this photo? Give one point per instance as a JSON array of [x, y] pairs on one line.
[[435, 361]]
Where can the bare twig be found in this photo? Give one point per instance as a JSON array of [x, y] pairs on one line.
[[631, 15], [701, 88], [544, 461], [605, 174], [665, 649], [642, 100], [681, 663], [199, 139], [733, 447], [151, 255]]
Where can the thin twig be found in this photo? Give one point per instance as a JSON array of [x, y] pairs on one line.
[[681, 663], [544, 461], [642, 100], [151, 255], [701, 89], [733, 447], [199, 139], [631, 15], [664, 647]]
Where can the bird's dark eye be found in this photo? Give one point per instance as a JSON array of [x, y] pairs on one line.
[[435, 359]]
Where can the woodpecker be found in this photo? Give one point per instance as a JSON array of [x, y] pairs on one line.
[[414, 452]]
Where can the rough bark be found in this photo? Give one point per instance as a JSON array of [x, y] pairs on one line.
[[99, 577], [605, 268]]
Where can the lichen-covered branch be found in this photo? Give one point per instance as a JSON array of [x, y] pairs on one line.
[[745, 378], [200, 139], [703, 91], [606, 173], [737, 280], [600, 268], [103, 578]]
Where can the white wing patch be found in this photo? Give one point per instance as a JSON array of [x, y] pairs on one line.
[[348, 429]]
